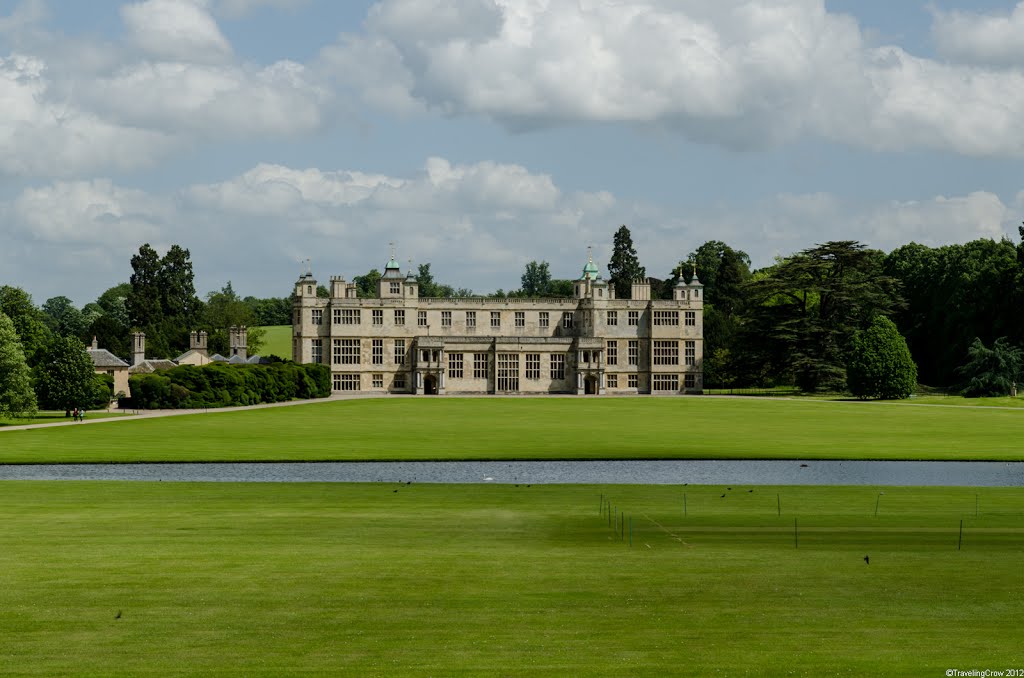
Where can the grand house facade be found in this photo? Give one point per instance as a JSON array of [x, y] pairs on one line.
[[593, 343]]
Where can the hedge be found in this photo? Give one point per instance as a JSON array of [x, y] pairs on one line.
[[224, 385]]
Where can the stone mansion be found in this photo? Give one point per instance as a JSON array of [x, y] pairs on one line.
[[593, 343]]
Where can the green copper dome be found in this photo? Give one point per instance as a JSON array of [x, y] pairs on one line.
[[591, 267], [391, 264]]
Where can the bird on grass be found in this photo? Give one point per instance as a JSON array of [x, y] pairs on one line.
[[867, 560], [118, 615], [749, 490], [723, 496]]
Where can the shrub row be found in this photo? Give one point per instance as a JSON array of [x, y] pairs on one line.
[[222, 385]]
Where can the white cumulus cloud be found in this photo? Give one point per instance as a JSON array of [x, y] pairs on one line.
[[180, 30], [986, 39]]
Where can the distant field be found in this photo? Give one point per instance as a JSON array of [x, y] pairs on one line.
[[338, 579], [540, 428], [277, 341]]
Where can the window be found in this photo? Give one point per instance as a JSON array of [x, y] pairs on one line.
[[378, 381], [544, 319], [533, 365], [446, 318], [691, 353], [633, 381], [346, 382], [557, 366], [665, 382], [399, 351], [612, 380], [455, 365], [520, 319], [318, 351], [309, 289], [691, 318], [613, 318], [378, 352], [399, 316], [425, 356], [421, 318], [634, 353], [567, 322], [298, 317], [508, 372], [470, 318], [378, 316], [612, 353], [495, 318], [346, 351], [318, 316], [396, 288], [689, 381], [480, 362], [348, 316], [585, 357], [634, 318], [399, 382], [666, 353], [666, 318]]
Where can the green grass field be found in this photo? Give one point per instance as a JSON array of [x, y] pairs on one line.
[[539, 428], [275, 579], [277, 341]]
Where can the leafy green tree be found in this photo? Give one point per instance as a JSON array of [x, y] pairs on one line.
[[65, 377], [225, 309], [624, 266], [804, 309], [32, 332], [430, 288], [63, 318], [16, 395], [366, 285], [991, 371], [955, 293], [271, 310], [880, 365], [536, 279]]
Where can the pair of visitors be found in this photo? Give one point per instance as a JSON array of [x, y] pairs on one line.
[[79, 414]]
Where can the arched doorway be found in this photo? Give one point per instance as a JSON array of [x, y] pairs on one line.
[[429, 385], [590, 386]]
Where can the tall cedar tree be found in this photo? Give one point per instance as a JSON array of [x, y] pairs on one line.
[[624, 266], [143, 302], [163, 302], [807, 308], [16, 395]]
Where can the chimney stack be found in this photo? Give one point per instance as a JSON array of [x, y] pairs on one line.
[[138, 347]]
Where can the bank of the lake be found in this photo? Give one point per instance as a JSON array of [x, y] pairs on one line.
[[411, 429], [277, 579]]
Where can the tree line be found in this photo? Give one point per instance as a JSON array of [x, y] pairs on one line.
[[831, 317]]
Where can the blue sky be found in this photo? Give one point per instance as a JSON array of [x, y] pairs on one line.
[[481, 134]]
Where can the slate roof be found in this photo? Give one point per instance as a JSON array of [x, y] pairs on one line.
[[101, 357], [147, 366], [218, 358]]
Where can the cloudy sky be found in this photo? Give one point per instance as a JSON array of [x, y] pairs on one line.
[[481, 134]]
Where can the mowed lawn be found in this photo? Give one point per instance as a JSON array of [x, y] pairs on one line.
[[277, 341], [539, 428], [339, 579]]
